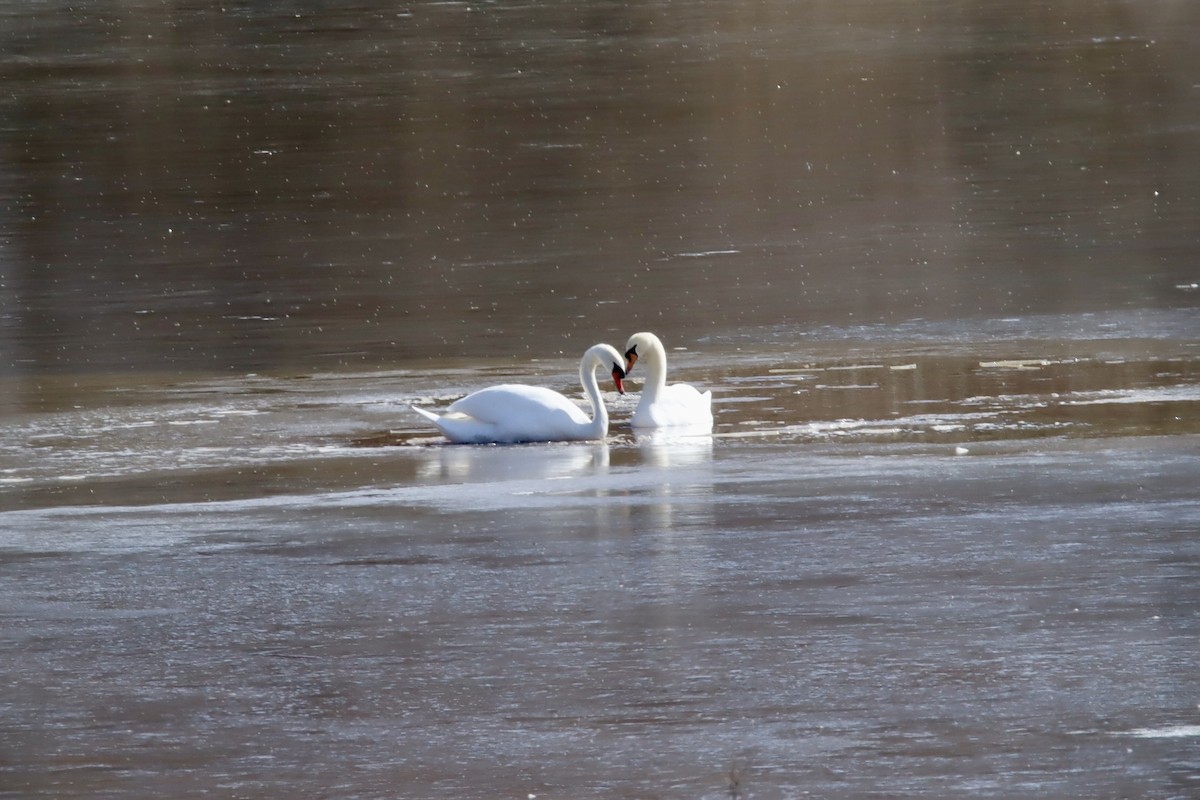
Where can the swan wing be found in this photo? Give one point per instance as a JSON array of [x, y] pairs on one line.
[[511, 402]]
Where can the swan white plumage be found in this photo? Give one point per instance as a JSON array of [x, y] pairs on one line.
[[512, 413], [679, 405]]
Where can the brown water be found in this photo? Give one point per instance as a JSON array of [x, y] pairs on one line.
[[305, 186], [938, 263]]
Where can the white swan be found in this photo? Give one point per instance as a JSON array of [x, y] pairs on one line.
[[679, 405], [513, 413]]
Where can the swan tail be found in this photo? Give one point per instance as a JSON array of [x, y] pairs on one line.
[[429, 415]]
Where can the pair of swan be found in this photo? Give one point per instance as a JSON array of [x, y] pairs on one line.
[[513, 413]]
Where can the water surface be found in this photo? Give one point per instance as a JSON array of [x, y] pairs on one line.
[[937, 263], [197, 189]]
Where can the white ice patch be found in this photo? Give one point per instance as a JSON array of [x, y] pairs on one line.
[[1166, 394], [706, 253], [1165, 732]]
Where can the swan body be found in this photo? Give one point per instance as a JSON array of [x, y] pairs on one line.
[[679, 405], [512, 413]]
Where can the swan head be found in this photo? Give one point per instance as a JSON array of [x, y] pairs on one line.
[[649, 343], [618, 376], [597, 355]]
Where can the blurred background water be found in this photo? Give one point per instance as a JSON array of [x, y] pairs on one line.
[[939, 263], [312, 185]]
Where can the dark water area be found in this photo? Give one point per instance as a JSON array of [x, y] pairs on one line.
[[189, 188], [939, 264]]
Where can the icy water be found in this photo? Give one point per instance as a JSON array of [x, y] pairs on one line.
[[894, 570], [938, 263]]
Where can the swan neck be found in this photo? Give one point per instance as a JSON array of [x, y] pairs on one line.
[[656, 371], [587, 378]]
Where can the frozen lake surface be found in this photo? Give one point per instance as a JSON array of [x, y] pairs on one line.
[[965, 570]]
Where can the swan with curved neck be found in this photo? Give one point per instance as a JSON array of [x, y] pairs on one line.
[[512, 413], [665, 406]]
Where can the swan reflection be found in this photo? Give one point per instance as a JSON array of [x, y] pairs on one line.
[[677, 473], [522, 462], [675, 447]]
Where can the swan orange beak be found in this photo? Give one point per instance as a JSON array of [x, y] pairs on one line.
[[619, 379], [631, 358]]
